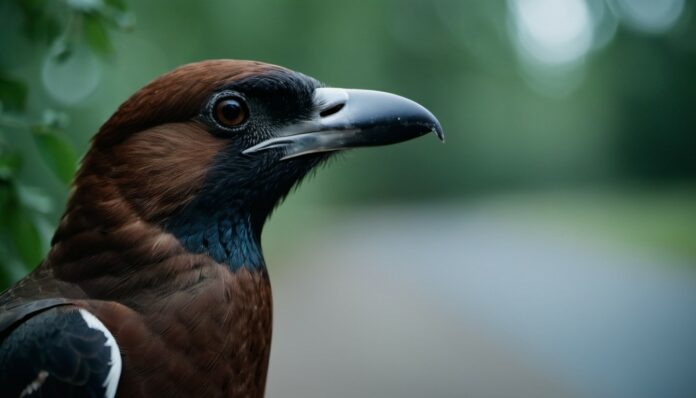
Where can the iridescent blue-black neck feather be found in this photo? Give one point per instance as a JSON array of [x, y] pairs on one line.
[[227, 235], [226, 217]]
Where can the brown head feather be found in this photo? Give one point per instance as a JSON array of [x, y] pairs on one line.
[[148, 160], [174, 97]]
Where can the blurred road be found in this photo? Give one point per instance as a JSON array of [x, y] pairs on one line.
[[404, 303]]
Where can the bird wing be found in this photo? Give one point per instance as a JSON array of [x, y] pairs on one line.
[[14, 313], [62, 351]]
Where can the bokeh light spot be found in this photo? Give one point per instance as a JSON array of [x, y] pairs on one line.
[[651, 16], [552, 31], [70, 77]]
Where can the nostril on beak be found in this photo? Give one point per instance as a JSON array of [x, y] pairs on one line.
[[332, 109]]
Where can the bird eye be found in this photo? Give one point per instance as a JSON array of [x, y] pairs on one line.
[[230, 112]]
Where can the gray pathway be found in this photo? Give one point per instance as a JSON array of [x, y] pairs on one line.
[[401, 303]]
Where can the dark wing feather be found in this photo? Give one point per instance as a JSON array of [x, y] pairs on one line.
[[55, 353], [16, 313]]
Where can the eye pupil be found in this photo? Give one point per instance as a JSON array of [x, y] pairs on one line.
[[230, 112]]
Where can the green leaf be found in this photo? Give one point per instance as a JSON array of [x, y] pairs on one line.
[[61, 50], [10, 162], [25, 237], [13, 94], [34, 199], [12, 271], [54, 120], [85, 5], [57, 153], [41, 22], [116, 14], [123, 20], [96, 35], [117, 4], [5, 203]]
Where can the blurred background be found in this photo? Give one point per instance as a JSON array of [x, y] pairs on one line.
[[548, 249]]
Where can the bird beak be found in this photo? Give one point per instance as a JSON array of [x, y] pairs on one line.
[[345, 119]]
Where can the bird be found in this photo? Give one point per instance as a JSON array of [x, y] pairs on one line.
[[155, 284]]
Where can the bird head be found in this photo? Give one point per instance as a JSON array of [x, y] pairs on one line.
[[206, 151]]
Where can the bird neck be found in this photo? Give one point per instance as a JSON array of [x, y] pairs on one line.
[[104, 235], [228, 236]]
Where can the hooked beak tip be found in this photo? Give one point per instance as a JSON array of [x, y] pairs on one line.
[[437, 130]]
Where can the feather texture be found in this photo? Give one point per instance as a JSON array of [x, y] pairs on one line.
[[159, 246], [186, 323]]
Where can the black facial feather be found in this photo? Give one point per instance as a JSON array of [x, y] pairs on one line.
[[240, 191]]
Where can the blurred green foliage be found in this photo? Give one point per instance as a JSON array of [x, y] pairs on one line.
[[49, 33]]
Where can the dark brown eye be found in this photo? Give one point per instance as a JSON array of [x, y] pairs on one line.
[[230, 112]]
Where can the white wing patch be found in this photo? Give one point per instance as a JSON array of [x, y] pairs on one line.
[[111, 381], [34, 385]]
